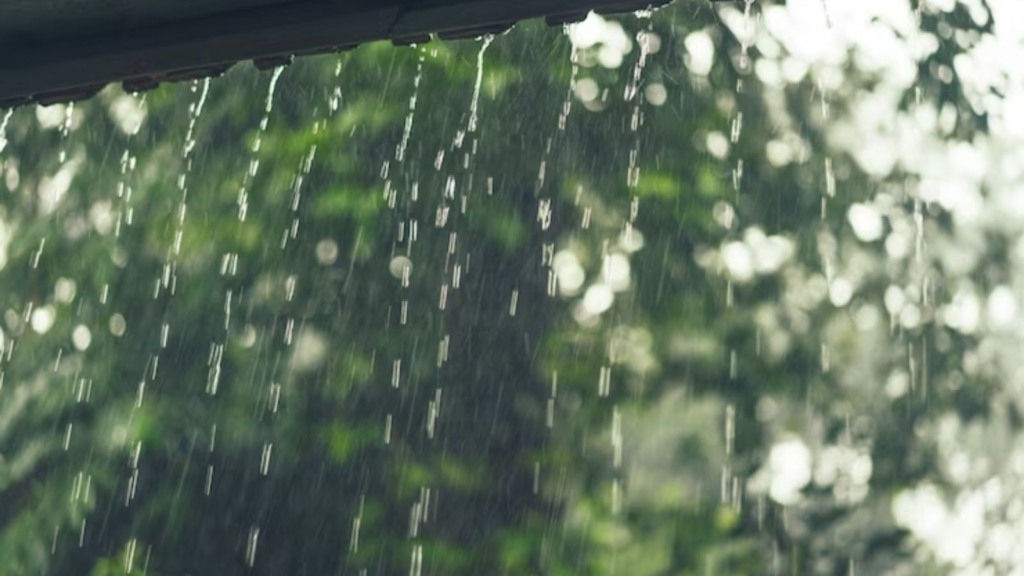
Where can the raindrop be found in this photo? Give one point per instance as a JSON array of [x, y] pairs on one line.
[[129, 556], [563, 117], [65, 131], [208, 484], [416, 567], [830, 178], [268, 449], [474, 104], [730, 429], [604, 382], [3, 128], [38, 253], [254, 163], [250, 547], [737, 128]]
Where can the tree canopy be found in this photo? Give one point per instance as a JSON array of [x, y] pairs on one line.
[[701, 291]]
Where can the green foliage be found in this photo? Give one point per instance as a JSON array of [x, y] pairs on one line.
[[373, 369]]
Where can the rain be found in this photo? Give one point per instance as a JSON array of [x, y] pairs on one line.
[[707, 288]]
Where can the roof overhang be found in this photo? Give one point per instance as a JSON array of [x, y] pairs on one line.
[[56, 51]]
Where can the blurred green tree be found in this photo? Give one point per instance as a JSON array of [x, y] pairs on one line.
[[552, 303]]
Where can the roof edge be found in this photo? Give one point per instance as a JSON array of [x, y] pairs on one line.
[[142, 58]]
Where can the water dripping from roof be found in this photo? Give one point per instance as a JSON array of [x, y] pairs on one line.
[[563, 117], [65, 131], [631, 95], [195, 110], [475, 103], [3, 128], [254, 163], [410, 116]]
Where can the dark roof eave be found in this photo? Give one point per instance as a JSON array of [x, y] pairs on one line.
[[74, 68]]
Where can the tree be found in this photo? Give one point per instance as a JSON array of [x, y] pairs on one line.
[[522, 305]]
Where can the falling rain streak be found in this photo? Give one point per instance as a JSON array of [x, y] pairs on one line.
[[3, 128], [254, 161], [474, 106], [65, 131], [356, 352], [631, 95]]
